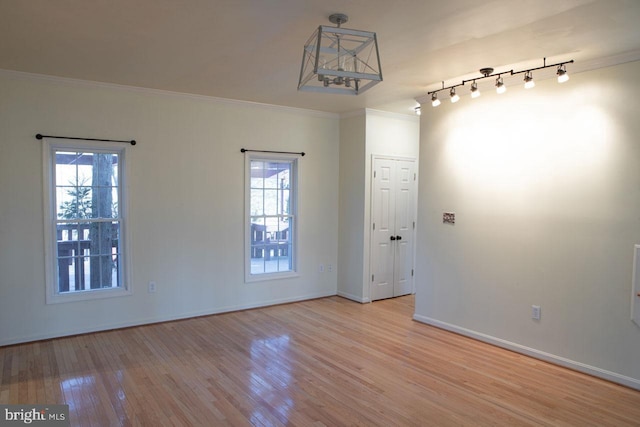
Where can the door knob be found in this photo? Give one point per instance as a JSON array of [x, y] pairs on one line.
[[398, 237], [393, 237]]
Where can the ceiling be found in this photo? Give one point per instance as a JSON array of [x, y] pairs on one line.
[[252, 49]]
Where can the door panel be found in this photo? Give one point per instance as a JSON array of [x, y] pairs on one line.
[[383, 219], [404, 225]]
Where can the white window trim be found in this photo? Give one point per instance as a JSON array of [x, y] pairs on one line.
[[51, 277], [248, 277]]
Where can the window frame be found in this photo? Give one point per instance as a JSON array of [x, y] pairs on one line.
[[49, 148], [294, 209]]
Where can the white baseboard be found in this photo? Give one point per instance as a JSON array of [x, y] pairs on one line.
[[353, 297], [158, 319], [537, 354]]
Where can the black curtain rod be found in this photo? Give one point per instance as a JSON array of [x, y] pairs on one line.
[[40, 136], [244, 150]]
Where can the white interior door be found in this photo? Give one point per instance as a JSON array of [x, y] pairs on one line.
[[393, 223], [404, 226]]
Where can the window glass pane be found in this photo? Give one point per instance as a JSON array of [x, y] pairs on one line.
[[283, 229], [271, 175], [257, 174], [114, 203], [271, 202], [257, 202], [70, 273], [284, 170], [285, 205], [271, 267], [257, 265], [115, 277], [66, 203], [66, 168], [67, 238], [114, 172]]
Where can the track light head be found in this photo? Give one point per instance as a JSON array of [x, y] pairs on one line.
[[418, 110], [500, 87], [562, 74], [474, 90], [528, 80], [434, 99], [454, 96]]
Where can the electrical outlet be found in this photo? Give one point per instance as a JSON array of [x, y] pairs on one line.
[[535, 312], [152, 287], [330, 268], [321, 268]]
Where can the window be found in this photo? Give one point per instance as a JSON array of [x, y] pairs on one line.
[[271, 217], [85, 223]]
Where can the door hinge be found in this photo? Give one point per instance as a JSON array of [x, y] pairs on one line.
[[414, 176], [374, 225], [412, 272], [374, 174], [414, 225], [372, 277]]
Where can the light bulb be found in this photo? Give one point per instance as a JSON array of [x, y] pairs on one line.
[[528, 80], [474, 90], [454, 96], [562, 74], [418, 111], [434, 100], [500, 87]]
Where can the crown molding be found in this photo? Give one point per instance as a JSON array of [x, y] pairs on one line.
[[371, 112], [136, 89]]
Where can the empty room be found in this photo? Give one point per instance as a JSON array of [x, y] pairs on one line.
[[320, 213]]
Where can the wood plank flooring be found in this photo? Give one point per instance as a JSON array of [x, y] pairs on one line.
[[326, 362]]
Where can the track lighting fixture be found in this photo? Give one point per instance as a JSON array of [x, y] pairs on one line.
[[500, 85], [434, 99], [528, 80], [454, 96], [562, 74], [474, 90]]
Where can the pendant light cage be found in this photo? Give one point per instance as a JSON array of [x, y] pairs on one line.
[[339, 60]]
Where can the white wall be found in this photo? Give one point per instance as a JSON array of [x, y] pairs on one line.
[[545, 185], [186, 203], [352, 194], [364, 134]]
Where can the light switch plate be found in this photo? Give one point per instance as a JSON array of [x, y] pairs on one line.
[[449, 218]]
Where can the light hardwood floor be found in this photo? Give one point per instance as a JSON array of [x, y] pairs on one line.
[[323, 362]]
